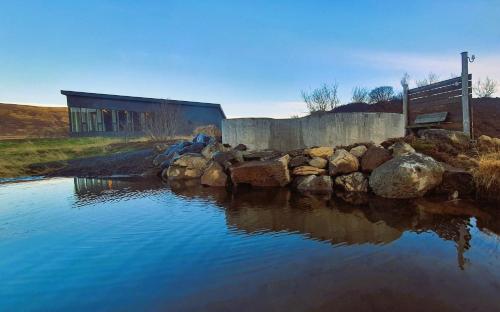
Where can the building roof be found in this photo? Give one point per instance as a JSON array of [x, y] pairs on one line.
[[141, 99]]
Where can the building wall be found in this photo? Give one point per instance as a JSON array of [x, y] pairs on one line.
[[189, 117], [325, 130]]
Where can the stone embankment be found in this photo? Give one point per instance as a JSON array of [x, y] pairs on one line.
[[351, 172]]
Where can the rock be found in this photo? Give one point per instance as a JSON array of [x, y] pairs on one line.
[[374, 157], [318, 162], [456, 180], [187, 166], [358, 151], [298, 161], [262, 173], [401, 148], [161, 147], [314, 184], [262, 155], [195, 148], [407, 176], [455, 138], [297, 152], [354, 182], [323, 152], [212, 148], [170, 158], [203, 138], [228, 158], [240, 147], [214, 175], [307, 170], [342, 162], [159, 159]]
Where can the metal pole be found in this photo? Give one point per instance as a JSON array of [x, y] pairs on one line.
[[465, 93], [405, 105]]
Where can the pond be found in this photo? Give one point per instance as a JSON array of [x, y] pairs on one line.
[[91, 244]]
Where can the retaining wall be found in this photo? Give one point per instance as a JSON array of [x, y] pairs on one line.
[[319, 130]]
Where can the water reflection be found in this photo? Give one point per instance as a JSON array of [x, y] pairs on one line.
[[332, 220]]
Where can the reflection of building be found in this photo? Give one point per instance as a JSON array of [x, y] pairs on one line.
[[94, 114]]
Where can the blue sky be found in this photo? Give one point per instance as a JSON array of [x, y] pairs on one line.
[[253, 57]]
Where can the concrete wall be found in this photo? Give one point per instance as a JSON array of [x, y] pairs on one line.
[[324, 130]]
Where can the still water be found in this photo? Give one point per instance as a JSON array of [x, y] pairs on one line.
[[87, 244]]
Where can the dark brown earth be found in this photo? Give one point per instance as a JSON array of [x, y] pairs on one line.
[[486, 113], [133, 163]]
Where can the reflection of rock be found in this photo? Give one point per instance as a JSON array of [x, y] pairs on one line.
[[285, 213]]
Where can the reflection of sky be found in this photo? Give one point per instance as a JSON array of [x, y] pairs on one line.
[[164, 251]]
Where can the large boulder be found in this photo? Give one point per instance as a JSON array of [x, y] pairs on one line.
[[374, 157], [228, 158], [214, 175], [342, 162], [401, 148], [358, 151], [407, 176], [169, 159], [240, 147], [456, 180], [307, 170], [324, 151], [262, 155], [318, 162], [297, 161], [261, 173], [187, 166], [313, 184], [212, 148], [354, 182]]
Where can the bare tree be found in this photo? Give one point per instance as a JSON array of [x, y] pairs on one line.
[[486, 88], [360, 95], [384, 93], [321, 99], [163, 123], [430, 79]]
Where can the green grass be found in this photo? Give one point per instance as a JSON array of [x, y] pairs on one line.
[[17, 155]]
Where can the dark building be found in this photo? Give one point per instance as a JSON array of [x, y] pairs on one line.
[[93, 114]]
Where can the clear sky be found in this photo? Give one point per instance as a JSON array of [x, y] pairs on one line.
[[253, 56]]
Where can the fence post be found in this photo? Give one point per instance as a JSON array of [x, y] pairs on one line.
[[405, 106], [465, 94]]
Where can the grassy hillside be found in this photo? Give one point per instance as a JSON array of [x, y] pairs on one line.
[[17, 155], [25, 121]]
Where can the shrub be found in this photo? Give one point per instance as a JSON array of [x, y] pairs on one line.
[[210, 130], [321, 99], [380, 94], [360, 95], [486, 88], [487, 176]]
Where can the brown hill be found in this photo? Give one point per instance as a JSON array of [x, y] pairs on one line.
[[26, 121], [486, 113]]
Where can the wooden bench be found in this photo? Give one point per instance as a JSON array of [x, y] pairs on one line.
[[429, 120]]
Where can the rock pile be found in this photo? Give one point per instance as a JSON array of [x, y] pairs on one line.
[[393, 172]]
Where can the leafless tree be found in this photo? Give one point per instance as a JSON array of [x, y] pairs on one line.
[[360, 95], [384, 93], [430, 79], [163, 124], [321, 99], [486, 88]]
